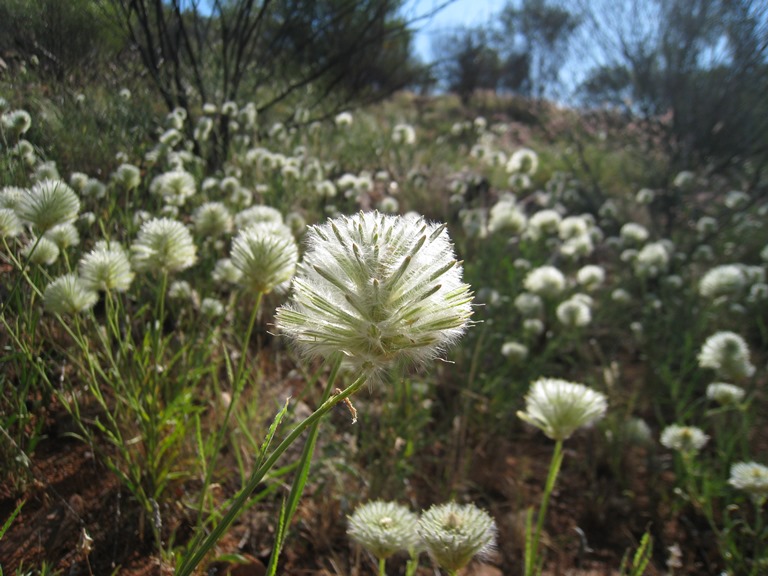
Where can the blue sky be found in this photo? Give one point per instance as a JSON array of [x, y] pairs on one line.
[[460, 12]]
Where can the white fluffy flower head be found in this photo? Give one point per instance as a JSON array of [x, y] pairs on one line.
[[453, 534], [728, 354], [266, 256], [106, 267], [559, 408], [687, 439], [752, 478], [163, 244], [378, 288], [546, 281], [384, 528]]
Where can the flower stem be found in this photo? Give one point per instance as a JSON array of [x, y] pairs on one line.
[[189, 563], [532, 561]]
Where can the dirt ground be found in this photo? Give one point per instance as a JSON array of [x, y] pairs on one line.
[[588, 529]]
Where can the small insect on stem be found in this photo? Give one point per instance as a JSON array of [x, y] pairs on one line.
[[349, 405]]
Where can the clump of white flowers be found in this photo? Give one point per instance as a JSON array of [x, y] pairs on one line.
[[727, 354], [384, 528], [379, 289], [558, 408], [453, 534], [686, 439]]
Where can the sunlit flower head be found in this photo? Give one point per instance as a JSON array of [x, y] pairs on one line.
[[378, 288], [10, 225], [384, 528], [727, 354], [389, 205], [506, 216], [751, 478], [687, 439], [533, 327], [725, 394], [559, 408], [343, 119], [47, 204], [106, 267], [523, 160], [529, 305], [212, 219], [126, 177], [77, 181], [258, 215], [212, 307], [453, 534], [68, 295], [633, 233], [725, 280], [574, 313], [41, 251], [64, 235], [404, 134], [736, 199], [203, 129], [182, 290], [591, 276], [15, 123], [546, 281], [684, 180], [94, 189], [514, 351], [164, 245], [225, 272], [266, 255], [46, 171], [572, 227], [544, 223], [10, 197], [174, 187], [652, 260]]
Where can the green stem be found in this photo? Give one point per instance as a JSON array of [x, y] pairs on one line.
[[244, 351], [382, 566], [532, 560], [191, 561], [302, 473]]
